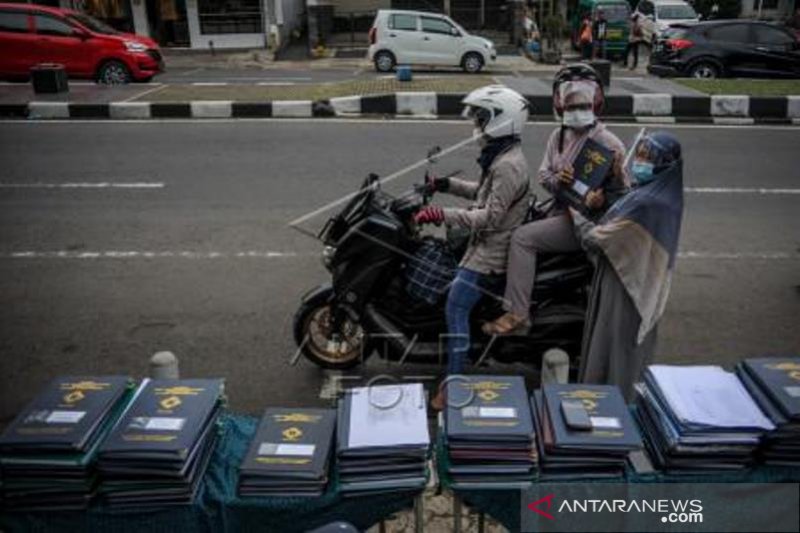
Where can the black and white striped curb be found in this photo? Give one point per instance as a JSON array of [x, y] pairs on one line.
[[646, 108]]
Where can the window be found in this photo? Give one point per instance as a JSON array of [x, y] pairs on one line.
[[92, 23], [47, 25], [731, 33], [773, 36], [676, 12], [13, 22], [229, 16], [403, 22], [615, 12], [765, 4], [436, 25]]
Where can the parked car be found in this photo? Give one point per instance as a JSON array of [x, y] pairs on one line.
[[400, 37], [735, 48], [617, 13], [31, 34], [658, 15]]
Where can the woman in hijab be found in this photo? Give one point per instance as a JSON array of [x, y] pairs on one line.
[[634, 246]]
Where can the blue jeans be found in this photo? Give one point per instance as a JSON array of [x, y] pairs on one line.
[[465, 292]]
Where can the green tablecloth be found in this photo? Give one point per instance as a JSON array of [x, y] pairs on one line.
[[217, 507], [504, 505]]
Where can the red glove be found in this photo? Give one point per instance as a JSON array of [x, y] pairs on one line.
[[432, 214]]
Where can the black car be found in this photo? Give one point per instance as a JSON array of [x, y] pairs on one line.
[[733, 48]]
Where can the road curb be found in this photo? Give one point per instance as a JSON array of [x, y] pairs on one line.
[[642, 108]]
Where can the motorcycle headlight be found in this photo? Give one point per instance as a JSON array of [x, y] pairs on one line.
[[327, 255], [133, 46]]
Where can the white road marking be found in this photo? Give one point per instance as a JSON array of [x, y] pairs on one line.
[[275, 83], [148, 91], [210, 83], [277, 254], [358, 120], [739, 190], [191, 71], [149, 254], [85, 185], [739, 255]]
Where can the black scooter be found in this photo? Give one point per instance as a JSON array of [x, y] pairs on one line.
[[366, 307]]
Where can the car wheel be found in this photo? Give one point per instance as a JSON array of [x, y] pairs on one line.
[[114, 72], [704, 70], [472, 63], [384, 61]]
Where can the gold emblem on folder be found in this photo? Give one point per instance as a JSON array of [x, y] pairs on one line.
[[488, 395], [170, 403], [74, 396], [292, 433]]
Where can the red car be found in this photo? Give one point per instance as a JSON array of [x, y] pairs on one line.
[[31, 34]]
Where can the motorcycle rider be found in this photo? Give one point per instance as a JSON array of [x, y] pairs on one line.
[[500, 203], [577, 100]]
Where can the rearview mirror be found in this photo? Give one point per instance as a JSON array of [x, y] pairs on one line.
[[454, 32]]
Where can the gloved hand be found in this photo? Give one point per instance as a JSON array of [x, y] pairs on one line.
[[433, 184], [432, 214]]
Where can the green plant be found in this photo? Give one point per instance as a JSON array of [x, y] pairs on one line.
[[553, 30]]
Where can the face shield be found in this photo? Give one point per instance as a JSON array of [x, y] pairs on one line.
[[651, 155]]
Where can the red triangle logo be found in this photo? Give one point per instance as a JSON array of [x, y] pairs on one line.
[[535, 506]]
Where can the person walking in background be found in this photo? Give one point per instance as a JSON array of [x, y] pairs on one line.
[[600, 34], [585, 38], [634, 40]]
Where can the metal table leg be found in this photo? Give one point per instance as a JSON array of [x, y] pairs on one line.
[[382, 526], [456, 514], [481, 522], [419, 514]]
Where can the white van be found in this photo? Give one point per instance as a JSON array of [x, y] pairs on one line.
[[655, 16], [400, 37]]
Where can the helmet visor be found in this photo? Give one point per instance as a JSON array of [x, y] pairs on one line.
[[480, 116]]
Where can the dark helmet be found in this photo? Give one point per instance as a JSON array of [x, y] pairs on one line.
[[660, 148], [577, 72]]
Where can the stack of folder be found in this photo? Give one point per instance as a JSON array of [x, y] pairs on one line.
[[698, 419], [489, 436], [160, 448], [48, 453], [774, 383], [290, 453], [382, 439], [595, 444]]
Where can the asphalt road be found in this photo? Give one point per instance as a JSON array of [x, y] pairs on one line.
[[195, 255]]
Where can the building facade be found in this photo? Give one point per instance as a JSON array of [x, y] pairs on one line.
[[199, 24]]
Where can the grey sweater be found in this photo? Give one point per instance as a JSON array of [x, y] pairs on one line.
[[500, 202]]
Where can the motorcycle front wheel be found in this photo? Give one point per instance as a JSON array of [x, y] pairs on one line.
[[320, 344]]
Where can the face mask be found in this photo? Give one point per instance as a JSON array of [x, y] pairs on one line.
[[579, 118], [642, 172]]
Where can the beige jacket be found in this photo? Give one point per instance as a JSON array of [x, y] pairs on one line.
[[499, 207]]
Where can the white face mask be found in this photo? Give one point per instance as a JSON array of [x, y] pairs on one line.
[[579, 118]]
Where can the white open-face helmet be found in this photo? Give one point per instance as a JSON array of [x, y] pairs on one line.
[[496, 110]]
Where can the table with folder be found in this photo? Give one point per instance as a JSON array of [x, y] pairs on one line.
[[217, 506], [504, 505]]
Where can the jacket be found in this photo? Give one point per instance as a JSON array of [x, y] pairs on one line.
[[614, 186], [500, 204]]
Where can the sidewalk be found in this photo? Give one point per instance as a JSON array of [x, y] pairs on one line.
[[263, 59]]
